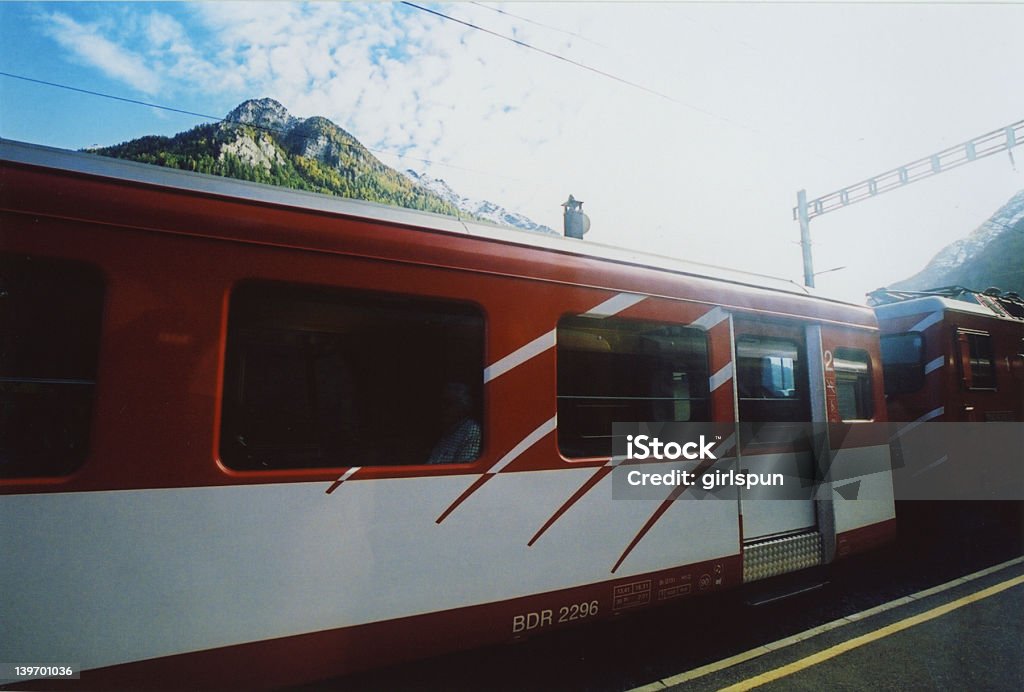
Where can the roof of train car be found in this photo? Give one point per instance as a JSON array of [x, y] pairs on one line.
[[923, 304], [88, 164]]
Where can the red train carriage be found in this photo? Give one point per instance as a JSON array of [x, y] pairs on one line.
[[253, 436], [954, 360], [952, 355]]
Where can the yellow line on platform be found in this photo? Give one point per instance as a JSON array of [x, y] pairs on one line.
[[717, 666], [856, 642]]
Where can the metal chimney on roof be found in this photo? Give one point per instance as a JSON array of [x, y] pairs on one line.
[[574, 221]]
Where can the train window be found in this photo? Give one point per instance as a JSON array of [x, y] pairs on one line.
[[771, 381], [853, 384], [903, 362], [977, 366], [322, 377], [616, 371], [50, 313]]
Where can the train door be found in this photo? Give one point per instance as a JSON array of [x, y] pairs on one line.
[[976, 364], [774, 404]]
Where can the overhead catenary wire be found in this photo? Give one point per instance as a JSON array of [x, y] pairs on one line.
[[228, 121], [576, 63], [536, 23], [477, 27], [471, 25], [600, 72], [108, 96]]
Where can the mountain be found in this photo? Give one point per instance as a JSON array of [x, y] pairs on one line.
[[482, 209], [262, 142], [991, 256]]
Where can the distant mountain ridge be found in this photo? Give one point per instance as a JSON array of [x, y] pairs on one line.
[[261, 141], [990, 257], [489, 211]]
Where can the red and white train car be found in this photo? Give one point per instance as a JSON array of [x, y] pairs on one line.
[[953, 356], [219, 400], [954, 360]]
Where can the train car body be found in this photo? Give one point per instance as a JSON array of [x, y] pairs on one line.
[[956, 356], [221, 404], [954, 382]]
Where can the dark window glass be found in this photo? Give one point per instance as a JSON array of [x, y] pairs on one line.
[[853, 384], [903, 362], [771, 380], [318, 378], [50, 314], [976, 362], [618, 371]]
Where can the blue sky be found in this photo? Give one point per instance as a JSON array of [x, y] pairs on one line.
[[754, 101], [204, 58]]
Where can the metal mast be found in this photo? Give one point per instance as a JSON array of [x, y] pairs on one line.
[[1003, 139]]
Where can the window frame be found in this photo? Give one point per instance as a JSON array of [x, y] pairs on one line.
[[750, 409], [966, 343], [335, 305], [845, 353], [575, 321], [50, 381]]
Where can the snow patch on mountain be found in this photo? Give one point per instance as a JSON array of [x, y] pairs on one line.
[[963, 251], [484, 209], [989, 256]]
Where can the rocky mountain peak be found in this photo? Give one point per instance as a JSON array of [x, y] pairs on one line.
[[265, 113], [992, 255], [313, 154]]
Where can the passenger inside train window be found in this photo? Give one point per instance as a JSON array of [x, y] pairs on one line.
[[323, 377], [460, 441]]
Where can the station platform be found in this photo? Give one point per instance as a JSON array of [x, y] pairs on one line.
[[965, 634]]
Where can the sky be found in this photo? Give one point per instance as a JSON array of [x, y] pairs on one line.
[[686, 128]]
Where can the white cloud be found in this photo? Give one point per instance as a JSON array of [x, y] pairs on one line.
[[763, 100], [163, 29], [84, 41]]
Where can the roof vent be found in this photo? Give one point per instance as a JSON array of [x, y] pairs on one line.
[[574, 221]]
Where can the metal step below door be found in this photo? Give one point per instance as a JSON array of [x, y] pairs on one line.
[[774, 556]]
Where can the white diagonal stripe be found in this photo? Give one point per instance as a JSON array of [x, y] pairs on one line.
[[710, 318], [720, 377], [935, 364], [524, 445], [520, 355], [612, 306], [938, 462], [904, 429], [615, 305], [927, 322], [348, 474], [935, 413]]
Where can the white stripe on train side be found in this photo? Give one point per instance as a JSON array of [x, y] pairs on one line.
[[933, 318], [542, 343], [108, 577], [522, 354]]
